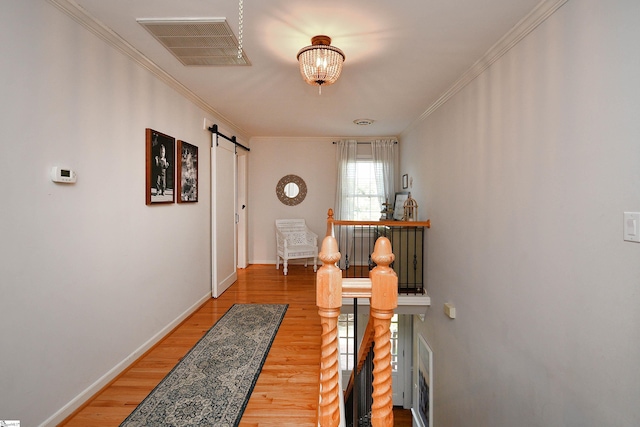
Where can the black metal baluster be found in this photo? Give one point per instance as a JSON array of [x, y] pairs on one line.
[[356, 387]]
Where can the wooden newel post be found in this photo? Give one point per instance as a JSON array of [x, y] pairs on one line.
[[329, 301], [384, 299], [330, 230]]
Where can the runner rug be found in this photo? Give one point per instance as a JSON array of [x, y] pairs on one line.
[[211, 385]]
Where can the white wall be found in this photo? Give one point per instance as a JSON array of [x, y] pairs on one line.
[[525, 175], [313, 160], [88, 273]]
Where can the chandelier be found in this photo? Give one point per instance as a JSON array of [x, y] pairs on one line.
[[320, 63]]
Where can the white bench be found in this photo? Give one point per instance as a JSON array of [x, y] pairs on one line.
[[294, 240]]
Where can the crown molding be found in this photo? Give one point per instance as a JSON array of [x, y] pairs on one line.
[[80, 15], [524, 27], [519, 31]]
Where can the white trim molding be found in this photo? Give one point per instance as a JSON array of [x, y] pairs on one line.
[[519, 31], [113, 373], [407, 304], [80, 15]]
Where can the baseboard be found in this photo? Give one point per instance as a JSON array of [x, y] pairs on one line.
[[416, 418], [103, 381], [297, 261]]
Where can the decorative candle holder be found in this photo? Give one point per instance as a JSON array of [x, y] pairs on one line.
[[410, 209]]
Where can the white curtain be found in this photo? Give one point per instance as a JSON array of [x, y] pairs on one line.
[[385, 157], [346, 157]]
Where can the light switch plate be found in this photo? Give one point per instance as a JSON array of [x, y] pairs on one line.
[[631, 226], [450, 310]]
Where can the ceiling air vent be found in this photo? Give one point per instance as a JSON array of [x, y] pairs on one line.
[[205, 42], [363, 122]]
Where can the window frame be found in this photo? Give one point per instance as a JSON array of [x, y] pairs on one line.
[[373, 213]]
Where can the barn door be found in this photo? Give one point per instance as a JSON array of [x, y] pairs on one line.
[[223, 215]]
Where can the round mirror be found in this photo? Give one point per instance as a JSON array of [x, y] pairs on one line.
[[291, 190]]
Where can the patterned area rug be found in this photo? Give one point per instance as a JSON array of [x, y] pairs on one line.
[[212, 383]]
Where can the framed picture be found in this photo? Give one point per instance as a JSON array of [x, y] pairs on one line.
[[160, 167], [398, 206], [423, 378], [405, 181], [187, 182]]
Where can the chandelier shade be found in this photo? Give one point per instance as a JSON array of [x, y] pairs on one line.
[[320, 63]]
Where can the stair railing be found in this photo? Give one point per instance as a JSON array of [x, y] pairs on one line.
[[357, 238], [382, 289], [359, 390]]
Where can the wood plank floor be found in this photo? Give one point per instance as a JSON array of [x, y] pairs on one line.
[[286, 393]]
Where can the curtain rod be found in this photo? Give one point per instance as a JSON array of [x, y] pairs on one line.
[[214, 129], [362, 142]]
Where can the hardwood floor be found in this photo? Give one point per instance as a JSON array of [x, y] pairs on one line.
[[286, 393]]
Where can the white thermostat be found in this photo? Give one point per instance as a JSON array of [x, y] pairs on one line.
[[59, 174]]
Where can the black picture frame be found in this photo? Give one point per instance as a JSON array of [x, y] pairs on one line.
[[187, 182], [405, 181], [423, 380], [398, 205], [160, 168]]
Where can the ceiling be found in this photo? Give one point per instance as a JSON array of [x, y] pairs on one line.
[[401, 57]]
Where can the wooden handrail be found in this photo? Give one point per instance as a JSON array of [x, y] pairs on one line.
[[363, 351], [356, 287], [388, 223]]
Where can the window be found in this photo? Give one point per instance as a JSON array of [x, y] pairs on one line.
[[363, 193], [345, 338], [365, 179], [394, 343]]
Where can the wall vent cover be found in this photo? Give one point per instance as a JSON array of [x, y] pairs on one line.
[[199, 42]]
